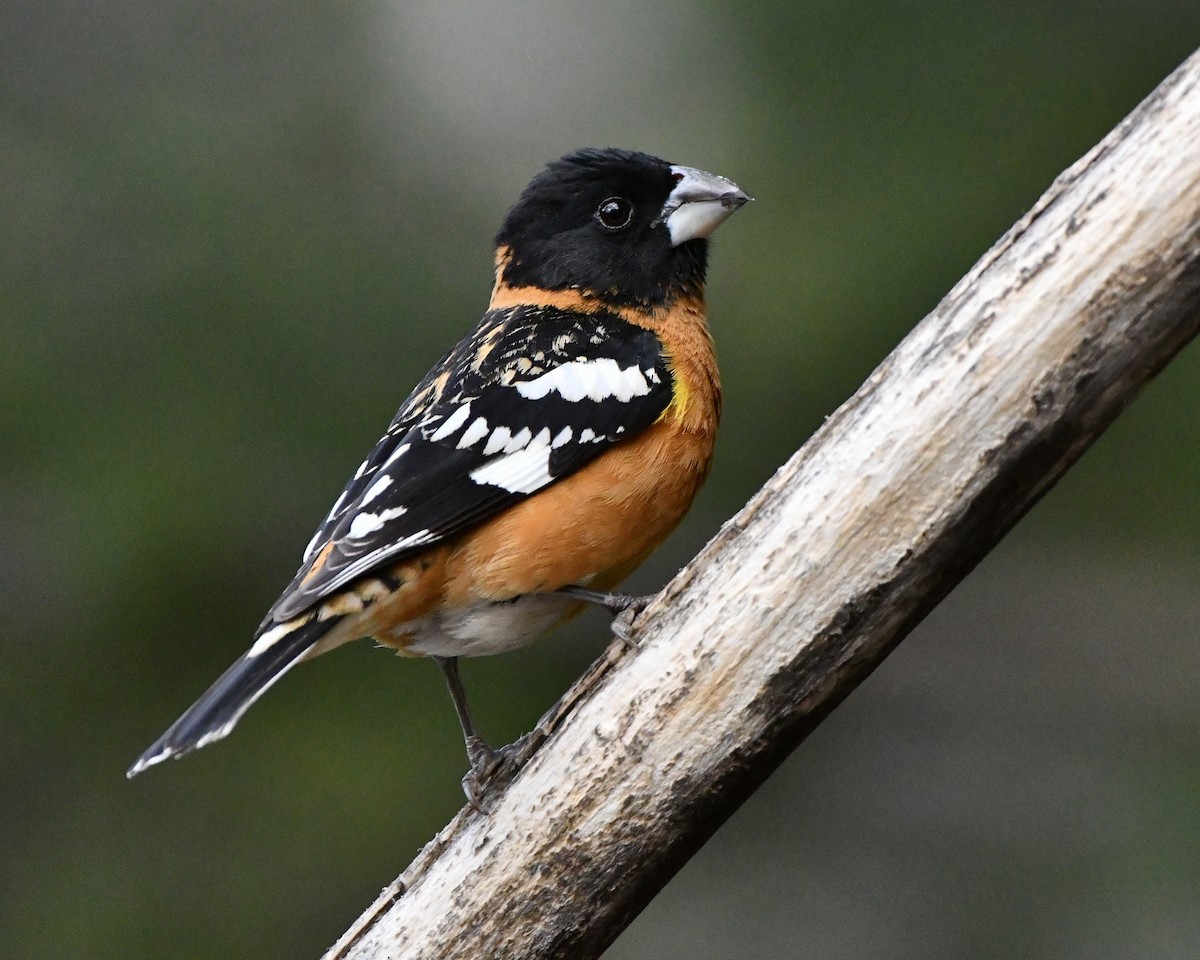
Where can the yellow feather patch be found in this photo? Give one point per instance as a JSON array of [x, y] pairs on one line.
[[681, 397]]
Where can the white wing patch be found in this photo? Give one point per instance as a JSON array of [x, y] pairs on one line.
[[594, 379], [376, 488], [522, 471], [452, 422], [473, 434], [519, 441], [367, 523], [270, 638], [497, 441], [396, 455]]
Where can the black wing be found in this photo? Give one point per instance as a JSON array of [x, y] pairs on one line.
[[532, 395]]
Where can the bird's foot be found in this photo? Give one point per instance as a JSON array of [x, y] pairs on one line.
[[624, 608], [622, 623], [484, 763], [491, 769]]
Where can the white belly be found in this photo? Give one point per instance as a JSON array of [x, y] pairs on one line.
[[486, 628]]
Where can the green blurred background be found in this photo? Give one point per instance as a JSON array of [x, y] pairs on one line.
[[236, 234]]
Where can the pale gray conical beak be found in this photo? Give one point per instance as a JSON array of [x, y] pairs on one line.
[[699, 204]]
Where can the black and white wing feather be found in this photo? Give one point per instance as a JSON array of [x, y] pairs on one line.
[[532, 395]]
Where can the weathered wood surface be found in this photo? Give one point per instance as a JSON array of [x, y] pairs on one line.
[[856, 538]]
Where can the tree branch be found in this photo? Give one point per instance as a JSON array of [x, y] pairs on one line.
[[902, 491]]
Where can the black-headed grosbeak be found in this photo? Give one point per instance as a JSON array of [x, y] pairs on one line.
[[555, 447]]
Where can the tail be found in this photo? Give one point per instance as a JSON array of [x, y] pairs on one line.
[[214, 715]]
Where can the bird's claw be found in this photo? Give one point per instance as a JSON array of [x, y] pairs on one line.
[[622, 623], [474, 788], [624, 608], [490, 769], [484, 763]]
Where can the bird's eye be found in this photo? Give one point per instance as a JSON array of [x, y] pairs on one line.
[[614, 213]]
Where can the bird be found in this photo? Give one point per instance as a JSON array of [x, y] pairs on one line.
[[537, 464]]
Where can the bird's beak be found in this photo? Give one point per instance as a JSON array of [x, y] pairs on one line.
[[699, 204]]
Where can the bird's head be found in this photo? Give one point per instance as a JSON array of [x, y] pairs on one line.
[[624, 227]]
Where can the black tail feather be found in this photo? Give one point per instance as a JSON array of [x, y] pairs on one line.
[[214, 715]]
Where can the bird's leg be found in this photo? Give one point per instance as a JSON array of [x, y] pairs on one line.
[[624, 608], [483, 759]]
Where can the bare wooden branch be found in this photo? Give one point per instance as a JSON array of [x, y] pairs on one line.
[[855, 539]]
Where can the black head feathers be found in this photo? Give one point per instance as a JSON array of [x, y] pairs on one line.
[[610, 223]]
